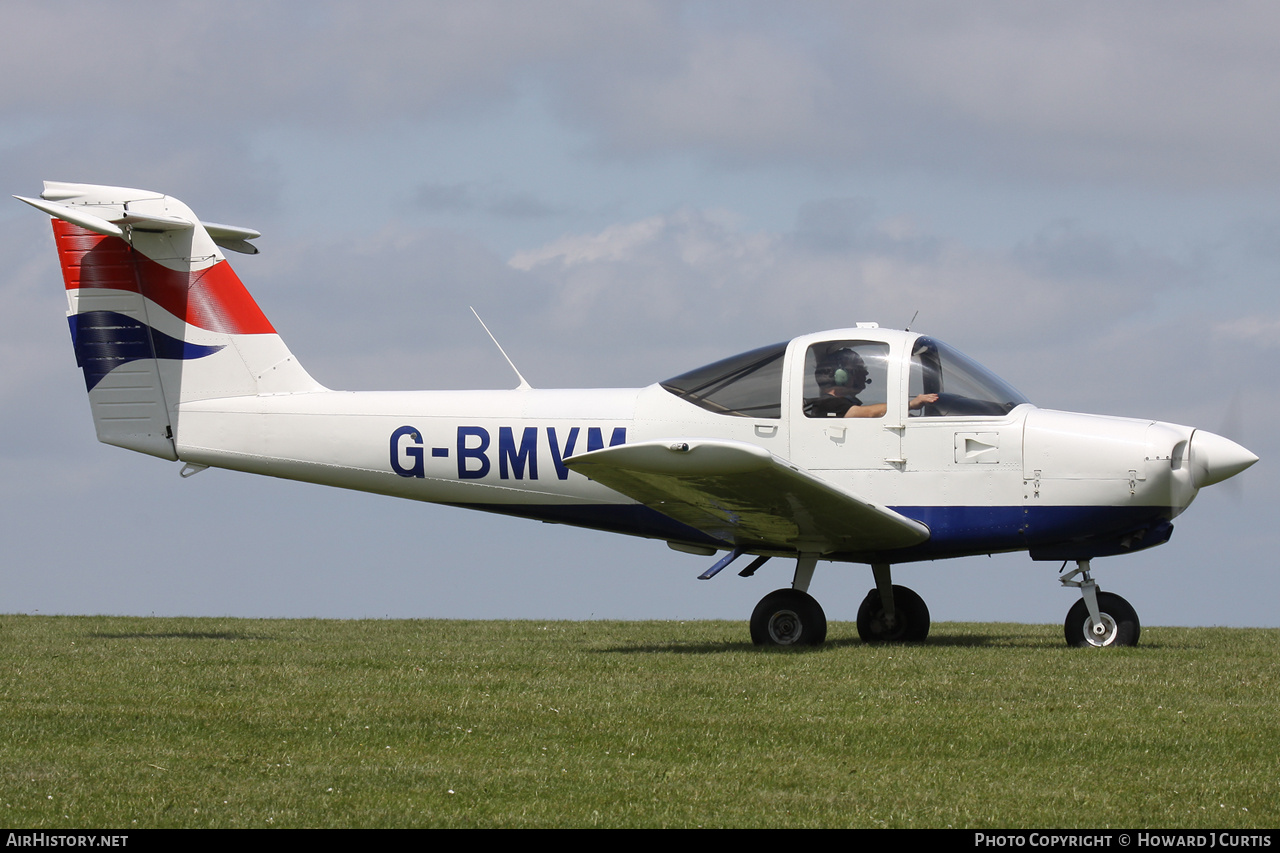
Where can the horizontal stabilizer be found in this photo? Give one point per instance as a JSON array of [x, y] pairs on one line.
[[745, 496], [120, 215], [233, 237], [76, 217]]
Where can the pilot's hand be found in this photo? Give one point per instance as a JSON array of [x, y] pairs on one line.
[[921, 400]]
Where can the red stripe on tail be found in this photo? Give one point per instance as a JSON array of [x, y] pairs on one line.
[[212, 299]]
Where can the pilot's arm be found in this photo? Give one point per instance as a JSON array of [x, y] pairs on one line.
[[877, 410]]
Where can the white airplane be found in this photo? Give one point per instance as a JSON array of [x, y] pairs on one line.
[[861, 445]]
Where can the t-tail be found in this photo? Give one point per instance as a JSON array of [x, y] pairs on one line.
[[158, 318]]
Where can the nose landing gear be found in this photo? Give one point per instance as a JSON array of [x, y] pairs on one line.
[[1099, 619]]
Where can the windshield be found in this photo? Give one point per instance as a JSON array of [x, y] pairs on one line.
[[746, 386], [963, 386]]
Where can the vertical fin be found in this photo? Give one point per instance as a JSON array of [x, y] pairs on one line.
[[158, 318]]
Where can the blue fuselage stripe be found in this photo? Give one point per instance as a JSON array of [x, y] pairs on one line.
[[955, 531]]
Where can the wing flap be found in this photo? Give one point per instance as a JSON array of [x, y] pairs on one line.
[[745, 496]]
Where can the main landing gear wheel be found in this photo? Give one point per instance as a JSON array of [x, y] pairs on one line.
[[1117, 627], [909, 625], [788, 617]]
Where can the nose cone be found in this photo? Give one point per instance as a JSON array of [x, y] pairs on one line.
[[1214, 458]]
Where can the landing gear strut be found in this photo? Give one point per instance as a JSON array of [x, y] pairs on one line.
[[1098, 619], [891, 613]]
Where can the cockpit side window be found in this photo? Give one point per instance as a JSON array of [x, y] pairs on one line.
[[745, 386], [964, 387], [842, 375]]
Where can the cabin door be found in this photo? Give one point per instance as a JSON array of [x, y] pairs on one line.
[[846, 409]]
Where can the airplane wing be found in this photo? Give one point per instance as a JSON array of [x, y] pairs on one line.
[[745, 496]]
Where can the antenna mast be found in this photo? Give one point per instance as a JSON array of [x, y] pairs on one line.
[[524, 385]]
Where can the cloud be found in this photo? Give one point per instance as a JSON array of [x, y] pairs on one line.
[[1260, 331], [475, 197], [34, 345], [682, 271], [214, 168], [389, 309], [318, 63], [1171, 92], [1154, 94], [615, 243], [1157, 94], [746, 94]]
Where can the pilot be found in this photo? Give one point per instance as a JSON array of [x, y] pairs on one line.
[[841, 376]]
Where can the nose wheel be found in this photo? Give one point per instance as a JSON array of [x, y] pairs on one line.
[[1099, 619], [1116, 625]]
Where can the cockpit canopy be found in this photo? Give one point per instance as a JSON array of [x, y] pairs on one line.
[[750, 385]]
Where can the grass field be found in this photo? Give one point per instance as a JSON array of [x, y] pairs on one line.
[[130, 722]]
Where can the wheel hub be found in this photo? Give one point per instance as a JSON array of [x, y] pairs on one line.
[[785, 627], [885, 627], [1101, 633]]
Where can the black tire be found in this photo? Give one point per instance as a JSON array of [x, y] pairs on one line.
[[1120, 621], [910, 626], [788, 618]]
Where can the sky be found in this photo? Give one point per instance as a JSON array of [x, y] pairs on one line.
[[1085, 197]]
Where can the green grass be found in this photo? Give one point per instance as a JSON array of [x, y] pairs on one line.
[[126, 722]]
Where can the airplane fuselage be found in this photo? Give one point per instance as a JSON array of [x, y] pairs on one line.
[[1061, 485]]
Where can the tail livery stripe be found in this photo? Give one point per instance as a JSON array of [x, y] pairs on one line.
[[104, 340], [213, 299]]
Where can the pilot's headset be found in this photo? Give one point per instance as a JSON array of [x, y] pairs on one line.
[[837, 370]]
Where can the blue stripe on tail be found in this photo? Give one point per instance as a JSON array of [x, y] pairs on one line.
[[104, 340]]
